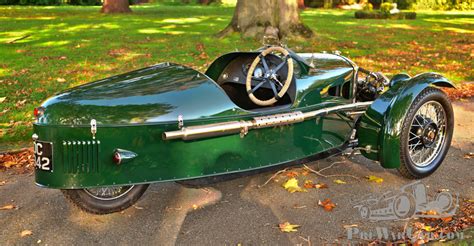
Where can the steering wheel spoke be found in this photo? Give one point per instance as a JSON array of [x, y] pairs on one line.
[[277, 82], [264, 63], [270, 76], [274, 89], [281, 65], [258, 86]]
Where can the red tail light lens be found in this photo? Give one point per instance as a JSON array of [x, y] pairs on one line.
[[38, 112], [117, 158]]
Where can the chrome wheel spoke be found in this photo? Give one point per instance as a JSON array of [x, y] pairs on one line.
[[427, 133], [108, 193]]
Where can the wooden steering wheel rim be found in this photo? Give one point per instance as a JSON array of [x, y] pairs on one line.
[[286, 85]]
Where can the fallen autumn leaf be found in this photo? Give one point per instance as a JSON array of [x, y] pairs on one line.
[[375, 179], [291, 185], [469, 155], [327, 204], [338, 181], [25, 233], [287, 227], [7, 207], [291, 174], [309, 184]]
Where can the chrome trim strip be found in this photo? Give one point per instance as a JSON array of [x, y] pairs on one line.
[[242, 127]]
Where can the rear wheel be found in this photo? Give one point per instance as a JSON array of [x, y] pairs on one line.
[[104, 200], [426, 134]]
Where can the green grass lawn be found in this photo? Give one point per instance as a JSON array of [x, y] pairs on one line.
[[69, 46]]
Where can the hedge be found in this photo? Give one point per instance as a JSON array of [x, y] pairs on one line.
[[380, 15]]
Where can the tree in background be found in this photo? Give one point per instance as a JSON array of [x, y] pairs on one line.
[[115, 6], [277, 18]]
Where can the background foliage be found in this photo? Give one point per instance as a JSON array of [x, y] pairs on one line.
[[402, 4], [64, 46]]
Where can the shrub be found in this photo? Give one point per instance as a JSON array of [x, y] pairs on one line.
[[435, 4], [381, 15], [404, 4], [386, 7], [85, 2], [368, 7], [314, 3]]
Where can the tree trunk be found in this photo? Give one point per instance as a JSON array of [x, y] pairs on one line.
[[115, 6], [277, 18]]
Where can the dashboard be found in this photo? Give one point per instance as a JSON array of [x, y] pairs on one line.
[[233, 77]]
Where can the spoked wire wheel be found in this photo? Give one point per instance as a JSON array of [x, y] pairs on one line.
[[104, 200], [427, 133], [109, 193]]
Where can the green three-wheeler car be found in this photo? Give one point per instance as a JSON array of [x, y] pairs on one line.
[[104, 142]]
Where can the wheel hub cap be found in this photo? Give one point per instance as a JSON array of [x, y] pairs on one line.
[[430, 131]]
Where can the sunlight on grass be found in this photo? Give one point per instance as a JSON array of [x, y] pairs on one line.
[[4, 72], [458, 30], [401, 26], [88, 26], [54, 43], [312, 12], [458, 21], [150, 31], [182, 20], [347, 23], [394, 25], [31, 18], [11, 35], [160, 31]]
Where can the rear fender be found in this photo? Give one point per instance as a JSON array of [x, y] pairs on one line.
[[380, 127]]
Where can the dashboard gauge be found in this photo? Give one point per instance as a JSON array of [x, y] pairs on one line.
[[258, 73]]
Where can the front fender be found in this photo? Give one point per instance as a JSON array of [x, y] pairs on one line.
[[380, 127]]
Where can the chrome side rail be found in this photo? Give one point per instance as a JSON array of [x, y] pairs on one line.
[[242, 127]]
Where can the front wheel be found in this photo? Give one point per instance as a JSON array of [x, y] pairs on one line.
[[105, 200], [426, 134]]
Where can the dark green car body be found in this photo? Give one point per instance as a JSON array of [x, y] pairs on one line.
[[134, 109]]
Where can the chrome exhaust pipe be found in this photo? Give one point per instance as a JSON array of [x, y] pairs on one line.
[[242, 127], [209, 130]]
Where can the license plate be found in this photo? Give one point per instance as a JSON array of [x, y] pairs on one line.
[[43, 156]]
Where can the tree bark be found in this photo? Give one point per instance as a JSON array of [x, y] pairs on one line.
[[115, 6], [278, 18]]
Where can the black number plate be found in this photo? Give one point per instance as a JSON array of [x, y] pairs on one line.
[[43, 156]]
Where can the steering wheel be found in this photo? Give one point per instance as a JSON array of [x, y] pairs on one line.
[[269, 76]]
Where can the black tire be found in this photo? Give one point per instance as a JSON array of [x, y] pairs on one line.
[[86, 201], [408, 168]]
